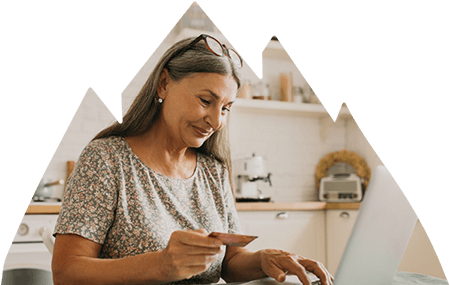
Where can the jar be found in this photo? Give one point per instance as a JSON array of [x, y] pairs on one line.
[[261, 91], [298, 94]]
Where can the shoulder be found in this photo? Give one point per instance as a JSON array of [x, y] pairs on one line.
[[212, 165], [210, 160], [104, 146], [103, 152], [100, 159]]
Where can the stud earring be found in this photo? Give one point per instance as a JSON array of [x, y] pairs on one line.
[[160, 100]]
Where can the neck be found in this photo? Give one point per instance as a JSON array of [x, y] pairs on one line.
[[159, 153]]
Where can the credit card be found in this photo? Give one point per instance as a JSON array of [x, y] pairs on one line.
[[233, 239]]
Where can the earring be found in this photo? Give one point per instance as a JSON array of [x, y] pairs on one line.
[[160, 100]]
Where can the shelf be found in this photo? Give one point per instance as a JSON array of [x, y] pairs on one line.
[[286, 108]]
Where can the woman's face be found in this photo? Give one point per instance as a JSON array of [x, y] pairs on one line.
[[196, 106]]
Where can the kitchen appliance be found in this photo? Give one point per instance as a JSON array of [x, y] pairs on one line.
[[248, 171], [341, 188], [44, 193], [29, 257]]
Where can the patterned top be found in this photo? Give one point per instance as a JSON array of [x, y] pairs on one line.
[[114, 199]]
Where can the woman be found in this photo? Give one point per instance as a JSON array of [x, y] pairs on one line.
[[145, 193]]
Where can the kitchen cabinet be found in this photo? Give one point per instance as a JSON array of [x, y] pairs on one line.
[[300, 232], [339, 225], [320, 235]]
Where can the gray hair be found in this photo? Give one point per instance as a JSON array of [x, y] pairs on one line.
[[145, 109]]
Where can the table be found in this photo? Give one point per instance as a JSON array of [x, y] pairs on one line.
[[401, 278], [406, 278]]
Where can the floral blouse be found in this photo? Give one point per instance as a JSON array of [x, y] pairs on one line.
[[114, 199]]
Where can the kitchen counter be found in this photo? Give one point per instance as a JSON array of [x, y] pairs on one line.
[[43, 208], [54, 208], [301, 206]]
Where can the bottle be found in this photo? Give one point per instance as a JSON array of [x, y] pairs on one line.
[[286, 87]]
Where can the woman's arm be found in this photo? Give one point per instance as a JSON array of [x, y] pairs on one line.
[[242, 265], [75, 261]]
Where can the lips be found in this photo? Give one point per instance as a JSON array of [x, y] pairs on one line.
[[202, 132]]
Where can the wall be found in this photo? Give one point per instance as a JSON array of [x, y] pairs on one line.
[[91, 117], [291, 145]]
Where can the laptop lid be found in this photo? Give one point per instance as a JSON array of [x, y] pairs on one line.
[[380, 235]]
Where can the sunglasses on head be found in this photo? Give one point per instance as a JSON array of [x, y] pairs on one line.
[[216, 48]]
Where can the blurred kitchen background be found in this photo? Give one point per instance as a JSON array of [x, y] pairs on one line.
[[281, 121], [291, 136]]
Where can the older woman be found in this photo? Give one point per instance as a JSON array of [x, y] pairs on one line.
[[146, 193]]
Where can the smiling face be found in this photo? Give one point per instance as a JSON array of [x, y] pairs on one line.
[[195, 107]]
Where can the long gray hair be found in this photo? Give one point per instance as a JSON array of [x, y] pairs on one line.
[[145, 109]]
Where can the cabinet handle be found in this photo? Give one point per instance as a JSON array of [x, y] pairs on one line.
[[345, 215], [282, 215]]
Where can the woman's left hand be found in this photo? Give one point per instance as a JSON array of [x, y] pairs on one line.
[[278, 263]]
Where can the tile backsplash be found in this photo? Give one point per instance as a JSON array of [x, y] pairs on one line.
[[292, 146]]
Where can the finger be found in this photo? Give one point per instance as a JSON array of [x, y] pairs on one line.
[[318, 269], [203, 232], [276, 272], [200, 250], [329, 278], [292, 266], [196, 238], [200, 260]]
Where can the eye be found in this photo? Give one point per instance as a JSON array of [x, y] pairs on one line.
[[204, 101], [226, 109]]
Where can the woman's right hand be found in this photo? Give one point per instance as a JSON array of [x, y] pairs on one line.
[[188, 253]]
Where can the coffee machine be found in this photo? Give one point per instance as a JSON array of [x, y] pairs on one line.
[[248, 171]]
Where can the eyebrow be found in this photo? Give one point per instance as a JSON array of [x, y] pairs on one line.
[[217, 96]]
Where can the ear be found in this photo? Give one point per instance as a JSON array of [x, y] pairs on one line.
[[164, 79]]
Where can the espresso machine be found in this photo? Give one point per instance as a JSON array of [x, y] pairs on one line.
[[248, 171]]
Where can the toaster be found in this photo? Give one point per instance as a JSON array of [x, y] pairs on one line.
[[341, 188]]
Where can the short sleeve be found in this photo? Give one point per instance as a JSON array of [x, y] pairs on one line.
[[90, 198], [234, 225]]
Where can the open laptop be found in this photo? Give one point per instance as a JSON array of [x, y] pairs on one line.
[[379, 237]]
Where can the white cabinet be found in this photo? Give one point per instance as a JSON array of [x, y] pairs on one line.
[[320, 235], [339, 225], [323, 234], [300, 232]]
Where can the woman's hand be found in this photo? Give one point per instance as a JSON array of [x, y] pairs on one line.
[[277, 263], [188, 253]]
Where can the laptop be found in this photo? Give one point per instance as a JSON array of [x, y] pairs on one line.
[[378, 240]]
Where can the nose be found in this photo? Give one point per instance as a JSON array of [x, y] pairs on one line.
[[215, 118]]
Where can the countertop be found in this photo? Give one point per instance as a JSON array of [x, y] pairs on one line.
[[301, 206], [54, 208]]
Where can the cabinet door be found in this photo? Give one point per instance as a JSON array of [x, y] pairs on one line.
[[339, 225], [300, 232]]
